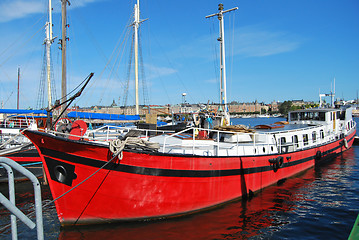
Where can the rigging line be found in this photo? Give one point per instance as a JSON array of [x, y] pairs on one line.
[[75, 88], [143, 78], [215, 54], [21, 46], [119, 45], [156, 70], [62, 195], [129, 71], [8, 98], [21, 36], [92, 86], [171, 65], [83, 181], [117, 60], [103, 180], [40, 92], [233, 16]]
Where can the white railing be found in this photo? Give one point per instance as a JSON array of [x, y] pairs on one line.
[[217, 144], [18, 122], [108, 133], [272, 143]]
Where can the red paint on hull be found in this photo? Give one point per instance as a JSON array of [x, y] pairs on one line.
[[157, 185]]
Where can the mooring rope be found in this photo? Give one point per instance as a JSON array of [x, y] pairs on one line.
[[116, 147], [51, 202]]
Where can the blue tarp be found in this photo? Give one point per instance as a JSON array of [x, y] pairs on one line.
[[22, 111], [103, 116]]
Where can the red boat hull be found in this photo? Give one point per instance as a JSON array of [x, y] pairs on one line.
[[28, 158], [29, 155], [155, 185]]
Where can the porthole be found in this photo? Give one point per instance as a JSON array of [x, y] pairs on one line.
[[60, 173]]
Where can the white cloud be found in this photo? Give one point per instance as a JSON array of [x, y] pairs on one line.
[[254, 42], [17, 9], [11, 10], [212, 80], [154, 71]]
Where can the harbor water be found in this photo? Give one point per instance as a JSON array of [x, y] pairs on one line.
[[320, 203]]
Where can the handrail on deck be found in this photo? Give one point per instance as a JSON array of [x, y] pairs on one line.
[[9, 164], [193, 129], [277, 144]]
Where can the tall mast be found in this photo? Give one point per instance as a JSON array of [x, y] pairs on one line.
[[63, 48], [136, 25], [18, 87], [333, 95], [223, 82], [48, 41]]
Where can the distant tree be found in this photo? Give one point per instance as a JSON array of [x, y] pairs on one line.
[[285, 107]]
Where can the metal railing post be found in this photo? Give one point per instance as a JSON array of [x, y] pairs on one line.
[[10, 175], [37, 194]]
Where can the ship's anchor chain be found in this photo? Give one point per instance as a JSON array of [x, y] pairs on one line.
[[117, 146]]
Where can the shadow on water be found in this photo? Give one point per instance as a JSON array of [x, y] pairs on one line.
[[320, 203]]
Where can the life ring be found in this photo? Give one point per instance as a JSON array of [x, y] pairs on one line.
[[280, 161], [276, 163]]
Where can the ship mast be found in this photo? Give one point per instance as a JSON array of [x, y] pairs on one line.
[[136, 24], [63, 48], [223, 82], [18, 87], [48, 41]]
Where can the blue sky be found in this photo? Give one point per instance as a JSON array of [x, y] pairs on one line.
[[276, 50]]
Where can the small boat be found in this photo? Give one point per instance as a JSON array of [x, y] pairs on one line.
[[16, 146]]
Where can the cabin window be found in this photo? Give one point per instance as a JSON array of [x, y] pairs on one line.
[[310, 115], [294, 116], [321, 134], [322, 116], [305, 139], [314, 136], [348, 126], [284, 148], [341, 115], [316, 116], [295, 141]]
